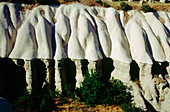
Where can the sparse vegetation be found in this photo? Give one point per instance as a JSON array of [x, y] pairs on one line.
[[35, 102], [135, 5], [124, 6], [93, 92], [147, 8], [99, 2]]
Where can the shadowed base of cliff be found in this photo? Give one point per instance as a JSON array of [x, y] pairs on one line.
[[150, 83]]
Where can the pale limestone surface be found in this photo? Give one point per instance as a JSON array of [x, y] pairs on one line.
[[160, 32], [119, 45], [137, 42], [83, 33]]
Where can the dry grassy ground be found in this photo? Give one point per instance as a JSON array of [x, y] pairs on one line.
[[136, 6], [69, 105]]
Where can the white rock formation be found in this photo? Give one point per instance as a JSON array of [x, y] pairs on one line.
[[80, 32], [163, 1]]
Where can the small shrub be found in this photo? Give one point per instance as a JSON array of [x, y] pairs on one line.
[[124, 6], [106, 5], [90, 90], [129, 107], [69, 91], [147, 8], [31, 102], [55, 94], [99, 2], [93, 91]]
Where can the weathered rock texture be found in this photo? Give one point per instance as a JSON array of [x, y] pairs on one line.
[[54, 46]]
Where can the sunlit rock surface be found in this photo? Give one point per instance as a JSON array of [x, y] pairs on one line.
[[52, 46]]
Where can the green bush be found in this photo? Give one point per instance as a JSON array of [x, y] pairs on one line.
[[90, 90], [35, 102], [93, 91], [99, 2], [124, 6], [129, 107], [68, 91], [147, 8]]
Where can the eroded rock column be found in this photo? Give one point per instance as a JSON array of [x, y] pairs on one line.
[[121, 72], [27, 67], [147, 84], [91, 65], [167, 76], [168, 70], [47, 79], [57, 77], [79, 75]]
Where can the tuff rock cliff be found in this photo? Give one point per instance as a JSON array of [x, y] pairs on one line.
[[57, 44]]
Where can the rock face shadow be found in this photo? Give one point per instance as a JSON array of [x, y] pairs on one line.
[[106, 69], [84, 67], [164, 71], [12, 79], [68, 76], [134, 71], [156, 68], [52, 75], [159, 68], [21, 78], [38, 74]]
